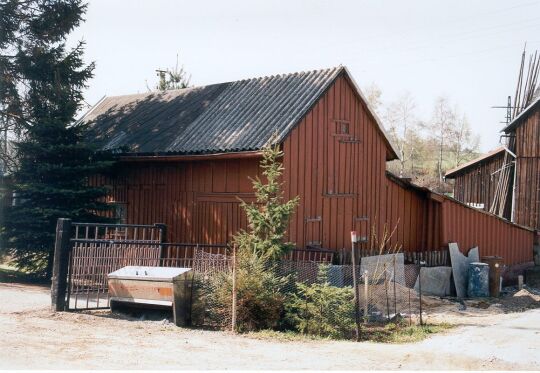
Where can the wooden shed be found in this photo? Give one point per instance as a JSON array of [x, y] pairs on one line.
[[524, 140], [186, 157], [516, 166], [478, 183]]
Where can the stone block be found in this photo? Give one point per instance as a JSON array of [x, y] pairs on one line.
[[435, 281]]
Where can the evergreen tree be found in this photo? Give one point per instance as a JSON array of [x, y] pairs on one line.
[[44, 81], [174, 78], [269, 217]]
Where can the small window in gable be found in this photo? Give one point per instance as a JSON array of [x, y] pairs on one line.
[[342, 128]]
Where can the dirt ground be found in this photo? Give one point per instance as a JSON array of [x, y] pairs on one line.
[[34, 337]]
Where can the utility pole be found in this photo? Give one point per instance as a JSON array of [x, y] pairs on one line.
[[509, 110]]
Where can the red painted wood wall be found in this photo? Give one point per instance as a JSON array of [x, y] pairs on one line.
[[335, 160], [470, 227]]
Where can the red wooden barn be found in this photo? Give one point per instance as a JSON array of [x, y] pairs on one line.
[[187, 155]]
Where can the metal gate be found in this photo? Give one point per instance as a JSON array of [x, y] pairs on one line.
[[85, 253], [99, 249]]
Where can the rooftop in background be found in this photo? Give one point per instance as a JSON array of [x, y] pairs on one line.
[[450, 174], [226, 117]]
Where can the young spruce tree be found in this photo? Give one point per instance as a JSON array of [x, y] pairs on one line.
[[269, 217], [42, 91]]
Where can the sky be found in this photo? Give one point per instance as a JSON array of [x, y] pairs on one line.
[[468, 51]]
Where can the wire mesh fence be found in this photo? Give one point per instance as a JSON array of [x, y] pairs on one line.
[[387, 290], [306, 296], [302, 292], [212, 292]]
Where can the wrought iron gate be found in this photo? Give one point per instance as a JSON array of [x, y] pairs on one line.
[[85, 253]]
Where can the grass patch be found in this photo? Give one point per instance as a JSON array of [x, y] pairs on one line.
[[383, 333], [401, 333], [284, 336], [12, 274]]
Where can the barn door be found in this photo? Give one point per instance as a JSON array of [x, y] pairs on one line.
[[216, 221]]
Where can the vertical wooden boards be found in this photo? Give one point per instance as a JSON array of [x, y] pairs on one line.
[[335, 161], [478, 183], [494, 236], [197, 200]]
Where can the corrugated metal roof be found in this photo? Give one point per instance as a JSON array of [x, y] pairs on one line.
[[227, 117], [249, 112]]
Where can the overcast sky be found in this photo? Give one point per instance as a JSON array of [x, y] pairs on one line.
[[468, 51]]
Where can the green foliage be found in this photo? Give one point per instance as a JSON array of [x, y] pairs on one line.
[[260, 295], [174, 78], [260, 289], [43, 93], [269, 217], [321, 309], [401, 332]]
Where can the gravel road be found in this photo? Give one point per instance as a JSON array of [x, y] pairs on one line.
[[35, 337]]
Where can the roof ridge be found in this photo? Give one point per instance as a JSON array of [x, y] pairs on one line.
[[282, 75], [187, 89]]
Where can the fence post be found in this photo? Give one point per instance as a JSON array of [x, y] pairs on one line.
[[233, 320], [355, 285], [60, 264], [420, 290], [386, 291], [395, 294], [162, 239], [366, 295]]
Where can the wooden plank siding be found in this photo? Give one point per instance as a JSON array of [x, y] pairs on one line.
[[198, 200], [470, 227], [335, 160], [527, 149], [478, 183]]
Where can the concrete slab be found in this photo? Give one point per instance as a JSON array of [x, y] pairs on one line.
[[375, 265], [460, 267], [435, 281]]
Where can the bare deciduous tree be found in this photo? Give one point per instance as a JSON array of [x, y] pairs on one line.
[[373, 96], [402, 124], [440, 127], [463, 144]]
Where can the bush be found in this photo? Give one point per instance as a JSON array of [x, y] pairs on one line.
[[260, 297], [321, 309]]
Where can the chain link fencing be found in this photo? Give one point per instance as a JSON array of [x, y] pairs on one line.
[[388, 289], [212, 292], [306, 296]]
